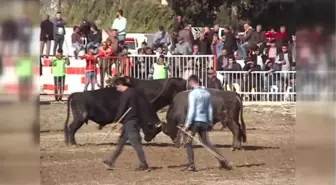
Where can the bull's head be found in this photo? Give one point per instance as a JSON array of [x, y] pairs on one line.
[[152, 132], [173, 132]]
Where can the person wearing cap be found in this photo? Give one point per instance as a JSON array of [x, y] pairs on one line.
[[159, 69], [59, 72], [131, 128]]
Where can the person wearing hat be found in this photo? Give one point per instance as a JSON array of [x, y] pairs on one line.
[[159, 69]]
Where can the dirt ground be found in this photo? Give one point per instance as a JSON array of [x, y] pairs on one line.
[[268, 156]]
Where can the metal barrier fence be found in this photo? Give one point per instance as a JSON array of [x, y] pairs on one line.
[[260, 85], [178, 66]]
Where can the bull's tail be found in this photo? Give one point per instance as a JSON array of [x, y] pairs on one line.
[[66, 128], [243, 129]]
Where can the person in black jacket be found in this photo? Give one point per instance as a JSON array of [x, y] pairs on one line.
[[95, 38], [9, 35], [131, 126], [230, 43]]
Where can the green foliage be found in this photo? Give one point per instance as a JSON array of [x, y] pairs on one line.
[[142, 15]]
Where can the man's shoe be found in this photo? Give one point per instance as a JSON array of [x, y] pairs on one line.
[[226, 165], [108, 164], [143, 168], [190, 168]]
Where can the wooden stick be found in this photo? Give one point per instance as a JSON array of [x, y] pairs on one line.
[[114, 126], [203, 145]]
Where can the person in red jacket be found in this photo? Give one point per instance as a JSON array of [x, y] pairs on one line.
[[281, 38], [91, 68], [104, 61]]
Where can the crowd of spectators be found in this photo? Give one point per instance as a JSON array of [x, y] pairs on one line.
[[260, 50]]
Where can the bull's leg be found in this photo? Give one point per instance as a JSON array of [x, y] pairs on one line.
[[236, 143], [73, 127]]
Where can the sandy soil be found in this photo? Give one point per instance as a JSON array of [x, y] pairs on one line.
[[268, 156]]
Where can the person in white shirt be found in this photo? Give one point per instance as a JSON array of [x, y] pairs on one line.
[[120, 24]]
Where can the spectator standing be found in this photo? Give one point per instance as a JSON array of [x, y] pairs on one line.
[[59, 72], [213, 81], [204, 45], [253, 79], [95, 38], [59, 32], [25, 34], [159, 69], [230, 43], [113, 39], [215, 31], [195, 50], [90, 69], [120, 24], [177, 27], [284, 61], [216, 46], [85, 30], [258, 38], [231, 78], [270, 35], [222, 60], [271, 52], [161, 38], [76, 41], [186, 35], [24, 70], [247, 37], [281, 38], [9, 36], [208, 35], [46, 35], [182, 47], [105, 64]]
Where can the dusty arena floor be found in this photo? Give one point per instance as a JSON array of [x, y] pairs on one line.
[[267, 158]]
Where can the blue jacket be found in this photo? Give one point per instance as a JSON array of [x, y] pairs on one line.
[[199, 106]]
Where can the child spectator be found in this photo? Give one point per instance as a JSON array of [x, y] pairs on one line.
[[91, 68], [105, 63], [59, 72], [159, 69]]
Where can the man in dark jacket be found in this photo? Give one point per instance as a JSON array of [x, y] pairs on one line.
[[131, 127], [59, 32], [177, 27], [258, 39], [85, 30], [230, 43], [222, 60], [204, 45], [46, 35], [9, 35]]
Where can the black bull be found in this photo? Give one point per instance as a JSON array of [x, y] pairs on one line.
[[101, 105], [227, 107]]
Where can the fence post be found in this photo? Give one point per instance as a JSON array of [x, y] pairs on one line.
[[214, 63]]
